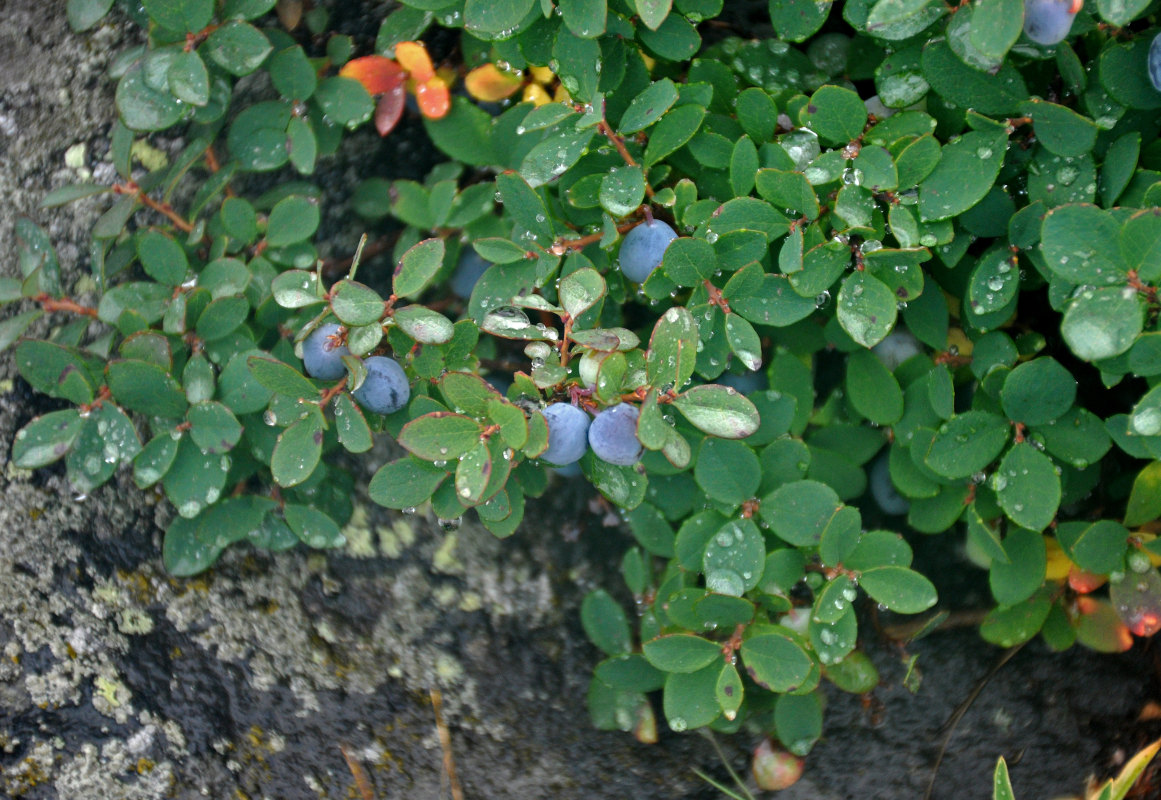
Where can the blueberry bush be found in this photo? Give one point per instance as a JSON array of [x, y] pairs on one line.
[[888, 269]]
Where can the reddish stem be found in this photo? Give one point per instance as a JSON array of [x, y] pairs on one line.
[[64, 304]]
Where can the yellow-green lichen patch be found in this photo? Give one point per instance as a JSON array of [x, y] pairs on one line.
[[445, 559]]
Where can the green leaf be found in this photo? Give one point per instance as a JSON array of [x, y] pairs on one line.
[[836, 114], [417, 267], [872, 389], [622, 190], [180, 16], [690, 699], [622, 486], [1061, 130], [143, 108], [1141, 243], [605, 623], [776, 662], [84, 14], [495, 18], [54, 370], [1145, 498], [967, 87], [292, 74], [405, 483], [440, 436], [146, 388], [966, 444], [734, 557], [1081, 243], [866, 308], [46, 439], [280, 378], [351, 426], [183, 553], [257, 137], [966, 172], [675, 129], [1001, 783], [1120, 14], [648, 106], [154, 460], [222, 317], [356, 304], [681, 652], [1098, 547], [900, 589], [789, 190], [1027, 487], [525, 206], [744, 342], [344, 101], [296, 288], [727, 470], [996, 25], [1017, 579], [718, 411], [237, 47], [581, 290], [585, 18], [189, 80], [1038, 391], [297, 452], [672, 353], [195, 479], [688, 261], [1103, 323], [577, 65], [798, 721], [14, 327], [313, 527], [1009, 626], [797, 20], [293, 219], [213, 427], [674, 40], [653, 12], [799, 512]]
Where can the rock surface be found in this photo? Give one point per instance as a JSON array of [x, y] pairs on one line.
[[118, 681]]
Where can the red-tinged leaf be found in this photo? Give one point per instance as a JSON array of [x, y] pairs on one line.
[[389, 110], [378, 74]]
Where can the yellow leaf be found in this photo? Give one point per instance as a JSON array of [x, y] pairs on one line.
[[491, 84]]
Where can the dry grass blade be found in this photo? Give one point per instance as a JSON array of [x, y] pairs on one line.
[[360, 774], [449, 762]]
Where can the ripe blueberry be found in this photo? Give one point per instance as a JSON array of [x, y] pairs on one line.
[[613, 435], [643, 249], [884, 491], [1049, 21], [1155, 62], [385, 389], [322, 354], [468, 271], [568, 429]]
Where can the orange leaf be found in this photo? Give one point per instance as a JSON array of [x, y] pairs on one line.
[[1084, 582], [434, 98], [490, 84], [414, 58], [378, 74]]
